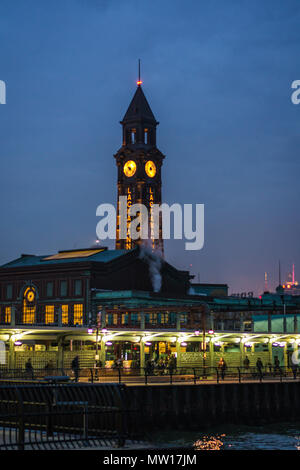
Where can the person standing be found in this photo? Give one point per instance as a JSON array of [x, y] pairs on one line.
[[29, 368], [259, 366], [222, 366], [75, 367], [246, 362]]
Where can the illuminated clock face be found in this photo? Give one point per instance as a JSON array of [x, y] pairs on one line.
[[150, 169], [129, 168], [30, 295]]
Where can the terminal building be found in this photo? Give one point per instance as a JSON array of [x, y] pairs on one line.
[[130, 303]]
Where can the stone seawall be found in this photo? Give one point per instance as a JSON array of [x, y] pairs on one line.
[[201, 406]]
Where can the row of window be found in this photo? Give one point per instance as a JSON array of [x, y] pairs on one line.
[[63, 289], [69, 315], [133, 136]]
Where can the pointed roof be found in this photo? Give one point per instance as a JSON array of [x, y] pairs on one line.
[[139, 109]]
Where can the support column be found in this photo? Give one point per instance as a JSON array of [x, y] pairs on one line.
[[242, 353], [178, 321], [211, 354], [11, 354], [142, 320], [102, 351], [178, 353], [270, 351], [242, 322], [13, 316], [285, 356], [60, 353], [142, 354], [295, 348]]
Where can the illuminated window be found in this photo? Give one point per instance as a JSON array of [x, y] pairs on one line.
[[153, 318], [124, 318], [164, 318], [65, 314], [29, 307], [78, 314], [146, 136], [49, 314], [7, 314]]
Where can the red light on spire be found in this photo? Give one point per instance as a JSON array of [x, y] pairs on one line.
[[139, 82]]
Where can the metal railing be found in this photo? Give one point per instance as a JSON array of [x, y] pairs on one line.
[[65, 416], [147, 376]]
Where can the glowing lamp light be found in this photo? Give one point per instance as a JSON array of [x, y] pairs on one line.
[[90, 331], [108, 343], [197, 332], [211, 332], [147, 343], [183, 344], [104, 330], [18, 343], [275, 345]]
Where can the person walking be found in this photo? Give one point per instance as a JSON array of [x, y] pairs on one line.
[[276, 365], [75, 367]]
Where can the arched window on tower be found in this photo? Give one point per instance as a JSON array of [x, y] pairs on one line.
[[146, 136], [133, 136]]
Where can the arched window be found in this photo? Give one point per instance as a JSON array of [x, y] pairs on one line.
[[29, 305], [146, 136], [133, 136]]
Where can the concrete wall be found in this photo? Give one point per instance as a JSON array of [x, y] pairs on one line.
[[201, 406]]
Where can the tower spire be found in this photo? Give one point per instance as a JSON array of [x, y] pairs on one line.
[[139, 82]]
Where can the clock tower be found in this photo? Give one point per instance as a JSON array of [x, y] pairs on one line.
[[139, 165]]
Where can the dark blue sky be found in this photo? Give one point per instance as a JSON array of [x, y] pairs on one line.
[[217, 75]]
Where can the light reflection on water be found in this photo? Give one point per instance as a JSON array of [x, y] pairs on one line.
[[271, 437]]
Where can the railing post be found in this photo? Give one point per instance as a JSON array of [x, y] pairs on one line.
[[92, 375], [119, 372], [171, 376], [195, 378], [239, 372], [85, 421], [146, 376], [217, 375], [21, 427]]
